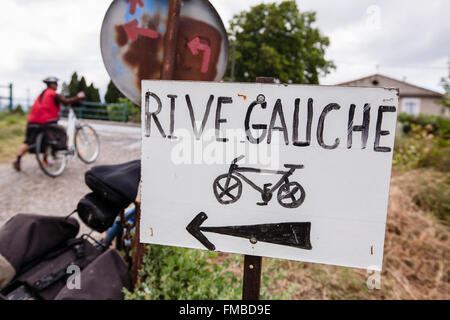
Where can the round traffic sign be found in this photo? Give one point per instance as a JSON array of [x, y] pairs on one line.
[[133, 43]]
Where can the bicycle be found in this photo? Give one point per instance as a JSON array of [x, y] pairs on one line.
[[228, 187], [82, 140]]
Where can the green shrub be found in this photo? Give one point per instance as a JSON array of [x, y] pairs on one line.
[[12, 120], [432, 193], [115, 112], [435, 125], [171, 273], [438, 158], [423, 146], [175, 273], [19, 110], [133, 111]]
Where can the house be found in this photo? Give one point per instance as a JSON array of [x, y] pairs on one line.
[[413, 99]]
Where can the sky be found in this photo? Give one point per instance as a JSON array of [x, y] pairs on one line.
[[404, 39]]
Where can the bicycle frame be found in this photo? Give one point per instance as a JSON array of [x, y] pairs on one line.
[[113, 231], [236, 170], [71, 126]]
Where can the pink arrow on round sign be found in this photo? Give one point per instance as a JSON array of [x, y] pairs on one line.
[[133, 31], [134, 4], [195, 46]]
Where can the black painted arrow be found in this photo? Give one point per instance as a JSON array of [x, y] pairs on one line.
[[294, 234]]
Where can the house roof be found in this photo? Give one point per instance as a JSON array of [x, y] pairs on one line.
[[406, 89]]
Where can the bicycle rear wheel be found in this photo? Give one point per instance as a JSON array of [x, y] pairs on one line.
[[291, 195], [87, 144], [52, 162], [227, 194]]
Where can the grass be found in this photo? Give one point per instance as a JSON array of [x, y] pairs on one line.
[[12, 133], [431, 193]]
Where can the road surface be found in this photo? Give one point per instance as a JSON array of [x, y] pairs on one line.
[[31, 191]]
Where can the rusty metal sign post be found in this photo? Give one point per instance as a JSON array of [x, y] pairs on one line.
[[166, 74], [170, 45], [135, 33], [251, 286], [252, 264]]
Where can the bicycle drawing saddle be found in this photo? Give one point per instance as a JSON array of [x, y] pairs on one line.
[[294, 166]]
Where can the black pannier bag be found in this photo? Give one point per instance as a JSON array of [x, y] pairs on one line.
[[26, 238], [96, 284], [45, 248], [47, 278], [114, 188], [34, 130], [56, 136]]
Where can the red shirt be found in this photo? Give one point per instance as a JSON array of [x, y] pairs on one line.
[[45, 108]]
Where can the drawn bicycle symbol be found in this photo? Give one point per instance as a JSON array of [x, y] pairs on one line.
[[228, 187]]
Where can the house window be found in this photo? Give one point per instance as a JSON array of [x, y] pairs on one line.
[[411, 106]]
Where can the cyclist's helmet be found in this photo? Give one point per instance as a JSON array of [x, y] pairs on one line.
[[51, 80]]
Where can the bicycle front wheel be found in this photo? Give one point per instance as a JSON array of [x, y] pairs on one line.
[[51, 161], [291, 195], [87, 143]]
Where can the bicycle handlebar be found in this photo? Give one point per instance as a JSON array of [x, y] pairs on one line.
[[238, 159]]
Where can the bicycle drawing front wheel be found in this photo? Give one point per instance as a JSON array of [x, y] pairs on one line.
[[291, 195], [87, 144], [227, 189], [50, 160]]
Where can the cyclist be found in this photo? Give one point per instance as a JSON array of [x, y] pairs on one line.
[[44, 110]]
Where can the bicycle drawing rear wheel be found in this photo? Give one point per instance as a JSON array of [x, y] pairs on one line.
[[51, 161], [227, 191], [87, 144], [291, 195]]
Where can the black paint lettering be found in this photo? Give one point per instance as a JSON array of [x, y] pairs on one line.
[[308, 124], [379, 132], [326, 110], [149, 115], [364, 128], [172, 115], [262, 127], [198, 133], [278, 110], [221, 101]]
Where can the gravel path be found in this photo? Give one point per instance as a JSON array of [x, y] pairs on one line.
[[31, 191]]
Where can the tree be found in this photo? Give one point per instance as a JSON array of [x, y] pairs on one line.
[[113, 94], [92, 94], [72, 88], [65, 89], [277, 40], [446, 85], [19, 110], [75, 86]]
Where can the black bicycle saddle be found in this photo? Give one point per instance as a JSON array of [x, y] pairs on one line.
[[117, 184]]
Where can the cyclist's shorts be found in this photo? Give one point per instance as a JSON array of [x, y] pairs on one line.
[[33, 129]]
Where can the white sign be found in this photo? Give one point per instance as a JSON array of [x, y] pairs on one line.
[[285, 171]]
